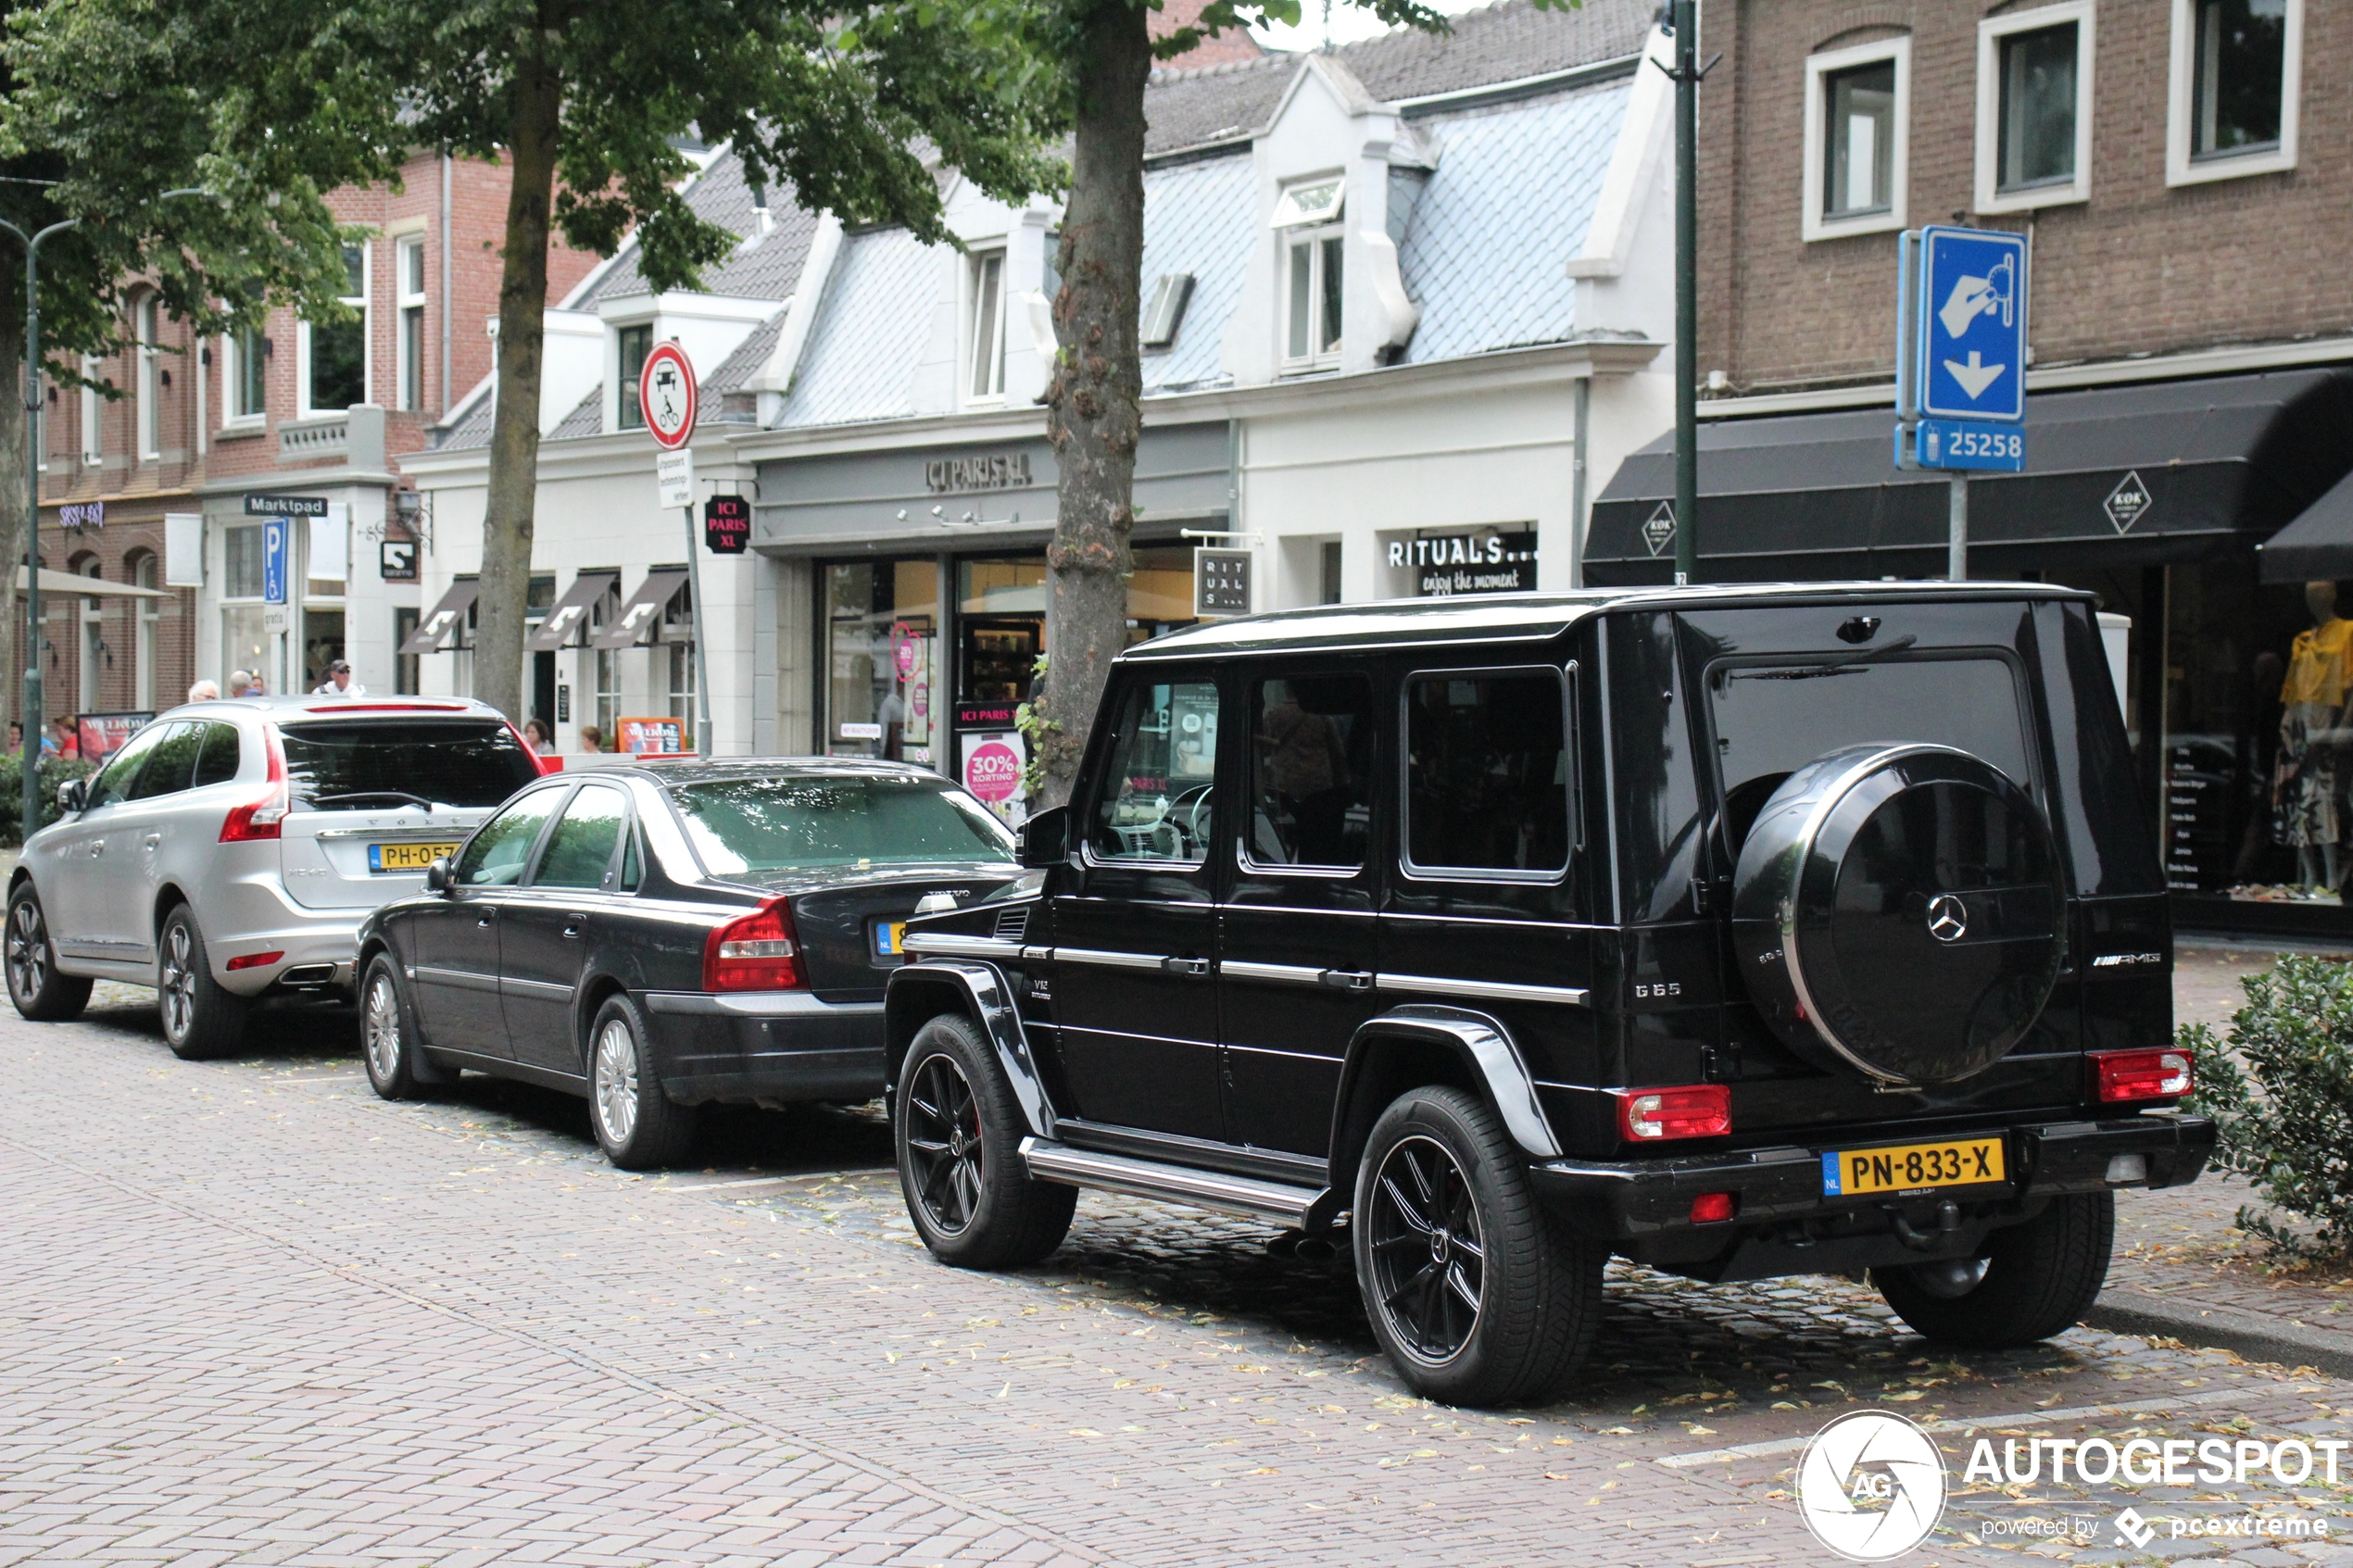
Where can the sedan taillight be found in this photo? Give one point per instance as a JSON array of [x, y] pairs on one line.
[[753, 952], [2125, 1076], [1694, 1111]]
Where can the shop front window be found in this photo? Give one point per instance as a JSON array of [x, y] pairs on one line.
[[882, 660], [2258, 765]]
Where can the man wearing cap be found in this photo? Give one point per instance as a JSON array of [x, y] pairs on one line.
[[339, 681]]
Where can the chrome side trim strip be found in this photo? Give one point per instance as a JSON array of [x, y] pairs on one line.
[[948, 944], [756, 1004], [548, 990], [1295, 974], [1490, 990], [1172, 1183], [463, 979], [1108, 958]]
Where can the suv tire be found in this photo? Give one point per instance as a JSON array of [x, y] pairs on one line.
[[39, 991], [398, 1067], [957, 1130], [638, 1126], [1477, 1295], [2039, 1279], [200, 1018]]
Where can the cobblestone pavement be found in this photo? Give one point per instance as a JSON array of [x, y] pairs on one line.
[[258, 1315]]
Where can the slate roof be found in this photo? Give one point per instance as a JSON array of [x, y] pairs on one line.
[[1485, 249], [588, 416], [860, 363], [770, 270], [1202, 219], [1508, 42]]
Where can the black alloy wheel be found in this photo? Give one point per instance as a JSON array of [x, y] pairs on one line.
[[944, 1146], [39, 992], [957, 1127], [1429, 1261]]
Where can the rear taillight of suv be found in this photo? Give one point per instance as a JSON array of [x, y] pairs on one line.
[[1694, 1111], [753, 952], [260, 818], [2125, 1077]]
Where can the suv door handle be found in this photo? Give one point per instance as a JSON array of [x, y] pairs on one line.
[[1346, 979], [152, 840], [1185, 966]]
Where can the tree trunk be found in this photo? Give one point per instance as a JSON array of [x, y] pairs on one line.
[[514, 429], [1092, 416], [13, 499]]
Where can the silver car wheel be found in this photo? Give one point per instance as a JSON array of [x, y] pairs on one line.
[[382, 1028], [177, 983], [615, 1087], [27, 951]]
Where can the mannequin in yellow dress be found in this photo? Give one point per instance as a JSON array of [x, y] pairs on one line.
[[2313, 738]]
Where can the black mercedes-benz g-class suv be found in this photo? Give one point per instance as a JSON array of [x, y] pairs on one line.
[[1742, 932]]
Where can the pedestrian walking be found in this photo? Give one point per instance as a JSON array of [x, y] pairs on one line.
[[205, 691], [339, 681]]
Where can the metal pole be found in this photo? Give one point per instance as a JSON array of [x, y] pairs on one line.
[[35, 700], [1957, 531], [1686, 292], [702, 637]]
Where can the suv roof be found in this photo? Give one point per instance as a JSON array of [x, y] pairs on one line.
[[1527, 617], [310, 708]]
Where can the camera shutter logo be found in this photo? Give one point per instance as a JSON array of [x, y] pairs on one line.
[[1872, 1485], [1947, 917]]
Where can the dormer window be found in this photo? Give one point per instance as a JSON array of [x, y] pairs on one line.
[[985, 377], [1307, 219], [634, 344]]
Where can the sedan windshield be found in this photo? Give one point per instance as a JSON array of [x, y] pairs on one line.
[[379, 764], [756, 825]]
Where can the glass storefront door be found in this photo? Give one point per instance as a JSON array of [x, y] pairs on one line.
[[882, 659]]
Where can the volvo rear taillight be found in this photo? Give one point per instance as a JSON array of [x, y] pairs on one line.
[[2122, 1077], [261, 817], [753, 952], [1694, 1110]]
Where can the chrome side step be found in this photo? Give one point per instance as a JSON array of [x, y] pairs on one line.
[[1050, 1162]]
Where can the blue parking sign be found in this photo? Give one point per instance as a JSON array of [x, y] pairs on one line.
[[1970, 347], [277, 539]]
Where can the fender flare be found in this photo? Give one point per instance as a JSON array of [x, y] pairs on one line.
[[1481, 1043], [981, 993]]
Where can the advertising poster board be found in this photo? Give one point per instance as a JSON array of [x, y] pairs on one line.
[[99, 736], [992, 754], [661, 736]]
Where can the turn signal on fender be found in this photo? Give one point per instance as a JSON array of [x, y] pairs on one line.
[[1696, 1111], [753, 952], [2124, 1076]]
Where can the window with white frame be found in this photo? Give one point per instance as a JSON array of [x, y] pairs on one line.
[[2235, 82], [334, 354], [148, 317], [246, 369], [94, 652], [634, 344], [1857, 105], [94, 446], [985, 359], [1314, 251], [2034, 108], [150, 636], [408, 281]]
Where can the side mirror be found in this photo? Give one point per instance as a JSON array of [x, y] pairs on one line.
[[1044, 840], [72, 796], [437, 875]]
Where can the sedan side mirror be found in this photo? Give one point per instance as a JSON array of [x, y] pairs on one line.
[[437, 875], [72, 796], [1044, 840]]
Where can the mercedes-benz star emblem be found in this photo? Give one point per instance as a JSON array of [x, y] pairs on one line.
[[1947, 917]]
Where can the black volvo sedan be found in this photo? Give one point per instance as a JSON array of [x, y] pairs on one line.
[[660, 937]]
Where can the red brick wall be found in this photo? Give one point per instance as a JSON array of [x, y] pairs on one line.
[[2141, 267]]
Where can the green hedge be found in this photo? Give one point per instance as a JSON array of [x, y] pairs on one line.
[[2286, 1120], [54, 771]]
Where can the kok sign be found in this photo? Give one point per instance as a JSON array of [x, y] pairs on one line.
[[1970, 353], [666, 395]]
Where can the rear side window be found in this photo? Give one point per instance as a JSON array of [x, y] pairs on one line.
[[171, 766], [1155, 795], [371, 763], [1311, 764], [1487, 772], [580, 851], [750, 827], [216, 763]]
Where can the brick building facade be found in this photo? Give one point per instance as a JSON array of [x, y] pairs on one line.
[[193, 428]]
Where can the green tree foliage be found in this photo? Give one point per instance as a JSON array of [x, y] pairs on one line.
[[2286, 1121]]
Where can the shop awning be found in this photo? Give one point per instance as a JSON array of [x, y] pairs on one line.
[[570, 614], [2159, 471], [55, 581], [643, 611], [448, 616], [2315, 546]]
